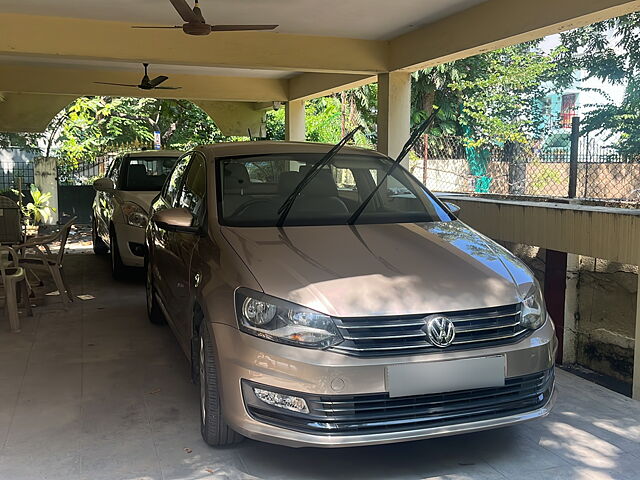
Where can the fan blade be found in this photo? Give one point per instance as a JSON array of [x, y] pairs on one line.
[[239, 28], [167, 88], [184, 10], [117, 84], [149, 26], [158, 80]]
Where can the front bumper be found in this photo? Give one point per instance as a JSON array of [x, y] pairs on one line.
[[327, 374], [130, 242]]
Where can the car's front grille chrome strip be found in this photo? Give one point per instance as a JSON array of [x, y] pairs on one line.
[[402, 335]]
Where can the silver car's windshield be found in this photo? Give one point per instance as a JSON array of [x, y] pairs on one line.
[[145, 173], [251, 189]]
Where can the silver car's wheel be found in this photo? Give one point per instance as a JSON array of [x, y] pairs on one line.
[[213, 428], [99, 247], [118, 269]]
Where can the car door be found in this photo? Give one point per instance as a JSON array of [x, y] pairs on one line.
[[104, 202], [160, 248], [181, 245]]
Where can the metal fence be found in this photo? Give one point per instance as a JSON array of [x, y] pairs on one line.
[[84, 173], [563, 164], [14, 174]]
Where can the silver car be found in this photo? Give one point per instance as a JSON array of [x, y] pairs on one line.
[[121, 204], [317, 322]]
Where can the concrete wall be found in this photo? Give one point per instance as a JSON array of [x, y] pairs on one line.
[[605, 320]]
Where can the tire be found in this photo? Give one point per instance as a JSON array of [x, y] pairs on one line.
[[99, 247], [154, 312], [213, 428], [118, 269]]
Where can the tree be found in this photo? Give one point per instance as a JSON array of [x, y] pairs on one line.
[[609, 51], [96, 125]]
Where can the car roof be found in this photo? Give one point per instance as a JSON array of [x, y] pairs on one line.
[[232, 149], [153, 153]]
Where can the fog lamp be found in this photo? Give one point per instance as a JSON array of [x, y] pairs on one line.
[[288, 402]]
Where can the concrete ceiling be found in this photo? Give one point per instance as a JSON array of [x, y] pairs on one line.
[[365, 19], [155, 69]]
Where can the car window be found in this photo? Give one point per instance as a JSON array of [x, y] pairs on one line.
[[114, 170], [251, 190], [173, 184], [194, 189], [147, 173]]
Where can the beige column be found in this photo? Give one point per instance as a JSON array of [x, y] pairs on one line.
[[570, 310], [294, 127], [636, 359], [44, 173], [394, 112]]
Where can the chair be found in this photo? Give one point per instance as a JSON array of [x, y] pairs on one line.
[[16, 288], [41, 258]]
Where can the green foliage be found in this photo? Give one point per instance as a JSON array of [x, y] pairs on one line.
[[490, 98], [22, 141], [97, 125], [38, 210], [609, 51]]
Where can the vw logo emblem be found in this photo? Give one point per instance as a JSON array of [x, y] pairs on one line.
[[440, 331]]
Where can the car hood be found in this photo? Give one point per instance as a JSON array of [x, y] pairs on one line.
[[390, 269], [142, 198]]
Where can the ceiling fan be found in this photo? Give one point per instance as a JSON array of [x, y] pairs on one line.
[[197, 25], [145, 83]]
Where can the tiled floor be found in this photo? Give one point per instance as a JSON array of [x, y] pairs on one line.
[[96, 392]]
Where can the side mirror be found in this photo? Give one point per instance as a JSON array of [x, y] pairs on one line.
[[104, 185], [175, 220], [453, 208]]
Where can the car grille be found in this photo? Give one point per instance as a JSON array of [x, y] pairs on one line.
[[405, 335], [378, 413]]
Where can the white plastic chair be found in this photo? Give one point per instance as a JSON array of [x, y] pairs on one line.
[[16, 288]]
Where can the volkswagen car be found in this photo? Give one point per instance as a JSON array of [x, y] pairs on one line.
[[121, 205], [347, 306]]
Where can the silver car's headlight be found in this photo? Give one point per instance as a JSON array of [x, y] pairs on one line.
[[134, 214], [533, 311], [281, 321]]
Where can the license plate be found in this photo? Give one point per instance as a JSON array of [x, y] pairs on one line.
[[448, 376]]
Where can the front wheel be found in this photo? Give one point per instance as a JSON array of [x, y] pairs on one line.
[[99, 247], [213, 428], [118, 269]]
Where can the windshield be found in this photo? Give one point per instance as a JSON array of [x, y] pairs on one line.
[[145, 173], [252, 189]]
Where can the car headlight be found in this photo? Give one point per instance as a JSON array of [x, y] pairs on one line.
[[533, 311], [284, 322], [134, 214]]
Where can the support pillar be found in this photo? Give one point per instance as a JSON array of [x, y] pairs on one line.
[[294, 127], [44, 176], [636, 356], [570, 310], [394, 112]]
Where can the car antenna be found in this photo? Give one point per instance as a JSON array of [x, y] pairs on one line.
[[313, 171], [419, 130]]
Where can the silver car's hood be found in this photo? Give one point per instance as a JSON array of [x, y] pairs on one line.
[[390, 269], [142, 198]]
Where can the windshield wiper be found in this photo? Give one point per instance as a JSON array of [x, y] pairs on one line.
[[419, 130], [313, 171]]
